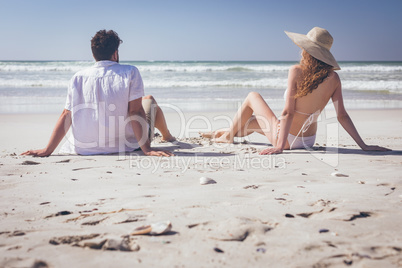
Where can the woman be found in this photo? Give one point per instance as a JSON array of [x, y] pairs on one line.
[[311, 84]]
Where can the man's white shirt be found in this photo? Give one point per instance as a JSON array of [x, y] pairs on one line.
[[98, 99]]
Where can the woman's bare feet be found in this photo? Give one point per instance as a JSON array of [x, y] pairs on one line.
[[207, 135], [213, 134], [168, 138], [223, 138]]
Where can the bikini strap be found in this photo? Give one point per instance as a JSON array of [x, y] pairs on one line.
[[309, 121], [303, 113]]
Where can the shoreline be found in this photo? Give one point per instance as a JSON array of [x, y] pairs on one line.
[[194, 86]]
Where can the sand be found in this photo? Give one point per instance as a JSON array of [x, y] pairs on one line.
[[262, 211]]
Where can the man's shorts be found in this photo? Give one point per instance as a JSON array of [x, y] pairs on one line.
[[149, 107]]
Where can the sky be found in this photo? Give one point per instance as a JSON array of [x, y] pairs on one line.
[[220, 30]]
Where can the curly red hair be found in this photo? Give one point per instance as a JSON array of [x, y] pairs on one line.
[[314, 73]]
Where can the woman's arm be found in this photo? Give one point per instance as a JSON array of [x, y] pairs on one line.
[[347, 123], [287, 113], [60, 130]]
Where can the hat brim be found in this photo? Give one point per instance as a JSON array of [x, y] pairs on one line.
[[313, 49]]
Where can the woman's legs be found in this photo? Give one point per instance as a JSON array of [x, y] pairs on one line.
[[253, 116], [252, 126], [159, 121]]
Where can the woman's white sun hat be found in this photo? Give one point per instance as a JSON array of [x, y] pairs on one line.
[[317, 43]]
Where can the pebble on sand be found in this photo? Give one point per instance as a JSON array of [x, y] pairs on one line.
[[338, 174], [218, 250], [205, 180]]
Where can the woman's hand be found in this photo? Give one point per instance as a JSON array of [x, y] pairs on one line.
[[271, 150], [39, 153], [375, 148]]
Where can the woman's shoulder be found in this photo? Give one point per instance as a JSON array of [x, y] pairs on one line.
[[295, 72], [334, 77], [295, 68]]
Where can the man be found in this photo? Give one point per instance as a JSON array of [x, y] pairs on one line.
[[106, 108]]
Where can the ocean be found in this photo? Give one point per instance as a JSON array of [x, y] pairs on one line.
[[41, 86]]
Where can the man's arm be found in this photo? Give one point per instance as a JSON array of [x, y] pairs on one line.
[[137, 119], [60, 130]]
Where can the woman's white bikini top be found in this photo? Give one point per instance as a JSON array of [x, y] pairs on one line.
[[309, 121], [284, 97]]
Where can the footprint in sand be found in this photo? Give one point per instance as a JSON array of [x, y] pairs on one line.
[[238, 229]]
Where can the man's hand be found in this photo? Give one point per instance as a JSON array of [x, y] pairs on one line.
[[60, 130], [38, 153], [158, 153]]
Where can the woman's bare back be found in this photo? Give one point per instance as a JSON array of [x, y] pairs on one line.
[[313, 103]]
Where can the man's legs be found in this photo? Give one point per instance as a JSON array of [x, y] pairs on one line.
[[156, 118]]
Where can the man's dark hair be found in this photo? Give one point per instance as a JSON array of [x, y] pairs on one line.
[[104, 44]]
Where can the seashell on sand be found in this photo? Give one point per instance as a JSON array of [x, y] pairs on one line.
[[142, 230], [338, 174], [161, 227], [153, 229], [205, 180]]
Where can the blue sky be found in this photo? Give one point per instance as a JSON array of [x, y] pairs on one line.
[[198, 30]]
